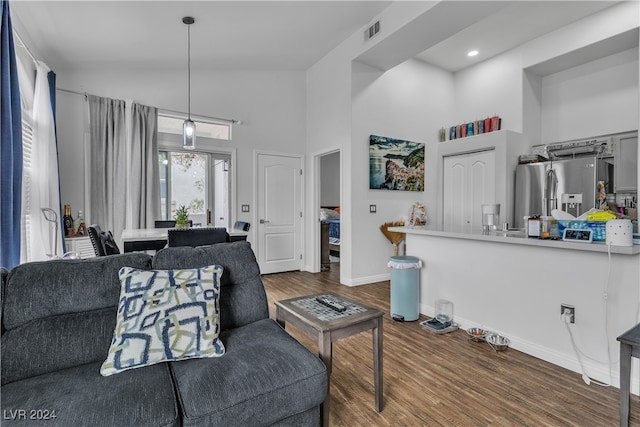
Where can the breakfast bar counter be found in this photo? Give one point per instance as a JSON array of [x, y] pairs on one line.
[[514, 286], [518, 237]]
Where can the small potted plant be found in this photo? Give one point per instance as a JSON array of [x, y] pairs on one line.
[[182, 217]]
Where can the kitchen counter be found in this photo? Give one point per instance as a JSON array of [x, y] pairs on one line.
[[519, 238], [515, 286]]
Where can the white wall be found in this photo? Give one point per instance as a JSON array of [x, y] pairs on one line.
[[489, 88], [328, 90], [329, 124], [411, 102], [271, 105], [596, 98]]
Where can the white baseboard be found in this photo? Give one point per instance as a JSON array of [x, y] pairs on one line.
[[367, 280], [596, 371]]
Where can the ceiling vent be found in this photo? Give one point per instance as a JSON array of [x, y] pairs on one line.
[[372, 30]]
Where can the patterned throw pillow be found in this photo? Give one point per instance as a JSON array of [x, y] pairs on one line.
[[165, 315]]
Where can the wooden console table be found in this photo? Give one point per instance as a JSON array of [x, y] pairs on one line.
[[328, 326]]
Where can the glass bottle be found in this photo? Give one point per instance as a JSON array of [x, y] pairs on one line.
[[67, 220], [79, 225]]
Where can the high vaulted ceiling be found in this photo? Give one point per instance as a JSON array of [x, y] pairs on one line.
[[258, 35], [262, 35]]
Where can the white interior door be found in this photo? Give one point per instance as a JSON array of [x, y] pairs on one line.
[[468, 182], [454, 193], [279, 213]]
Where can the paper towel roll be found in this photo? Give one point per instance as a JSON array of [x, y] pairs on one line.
[[619, 232]]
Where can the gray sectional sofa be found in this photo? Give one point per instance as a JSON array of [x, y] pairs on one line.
[[58, 319]]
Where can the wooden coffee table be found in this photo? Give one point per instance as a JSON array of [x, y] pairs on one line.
[[328, 325]]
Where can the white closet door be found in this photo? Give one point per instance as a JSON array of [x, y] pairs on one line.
[[469, 181]]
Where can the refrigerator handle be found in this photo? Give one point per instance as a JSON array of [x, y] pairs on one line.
[[550, 190]]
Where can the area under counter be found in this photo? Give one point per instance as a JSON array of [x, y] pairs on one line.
[[512, 238], [515, 286]]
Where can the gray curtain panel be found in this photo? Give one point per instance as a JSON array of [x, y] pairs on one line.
[[120, 189], [108, 163], [144, 174]]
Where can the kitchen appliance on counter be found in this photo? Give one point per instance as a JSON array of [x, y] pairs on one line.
[[570, 185], [490, 217]]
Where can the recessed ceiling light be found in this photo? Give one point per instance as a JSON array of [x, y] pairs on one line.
[[472, 53]]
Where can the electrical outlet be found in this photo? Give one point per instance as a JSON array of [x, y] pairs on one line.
[[568, 313]]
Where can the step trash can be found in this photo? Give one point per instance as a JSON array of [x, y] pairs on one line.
[[405, 287]]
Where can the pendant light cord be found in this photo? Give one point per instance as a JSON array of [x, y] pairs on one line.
[[189, 67], [188, 20]]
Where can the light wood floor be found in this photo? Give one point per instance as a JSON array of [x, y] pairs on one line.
[[443, 380]]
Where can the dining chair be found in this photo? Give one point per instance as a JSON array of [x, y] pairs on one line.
[[171, 223], [109, 243], [102, 241], [94, 235], [197, 236]]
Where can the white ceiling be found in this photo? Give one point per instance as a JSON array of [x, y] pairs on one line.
[[258, 35], [511, 24], [265, 35]]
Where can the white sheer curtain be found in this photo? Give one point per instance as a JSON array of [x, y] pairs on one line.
[[124, 165], [41, 184]]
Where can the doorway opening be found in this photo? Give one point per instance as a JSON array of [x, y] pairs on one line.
[[329, 196]]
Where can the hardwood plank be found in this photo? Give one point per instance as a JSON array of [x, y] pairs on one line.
[[443, 380]]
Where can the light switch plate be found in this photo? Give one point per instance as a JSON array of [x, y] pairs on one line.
[[245, 208], [373, 208]]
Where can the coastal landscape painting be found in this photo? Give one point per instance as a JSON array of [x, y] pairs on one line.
[[395, 164]]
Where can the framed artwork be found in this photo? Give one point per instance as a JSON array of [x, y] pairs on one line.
[[395, 164]]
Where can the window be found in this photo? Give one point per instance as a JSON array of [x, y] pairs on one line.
[[197, 180], [27, 148]]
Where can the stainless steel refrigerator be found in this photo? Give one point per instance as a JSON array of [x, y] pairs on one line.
[[567, 184]]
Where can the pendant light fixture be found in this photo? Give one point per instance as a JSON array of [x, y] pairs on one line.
[[189, 127]]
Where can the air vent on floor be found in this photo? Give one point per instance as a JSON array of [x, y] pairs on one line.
[[372, 30]]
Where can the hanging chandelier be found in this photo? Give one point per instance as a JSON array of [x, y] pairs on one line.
[[189, 127]]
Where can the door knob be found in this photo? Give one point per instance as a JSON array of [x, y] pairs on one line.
[[264, 221]]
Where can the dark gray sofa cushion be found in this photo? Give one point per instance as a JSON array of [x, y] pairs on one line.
[[61, 313], [41, 346], [242, 296], [265, 376], [41, 289], [80, 397]]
